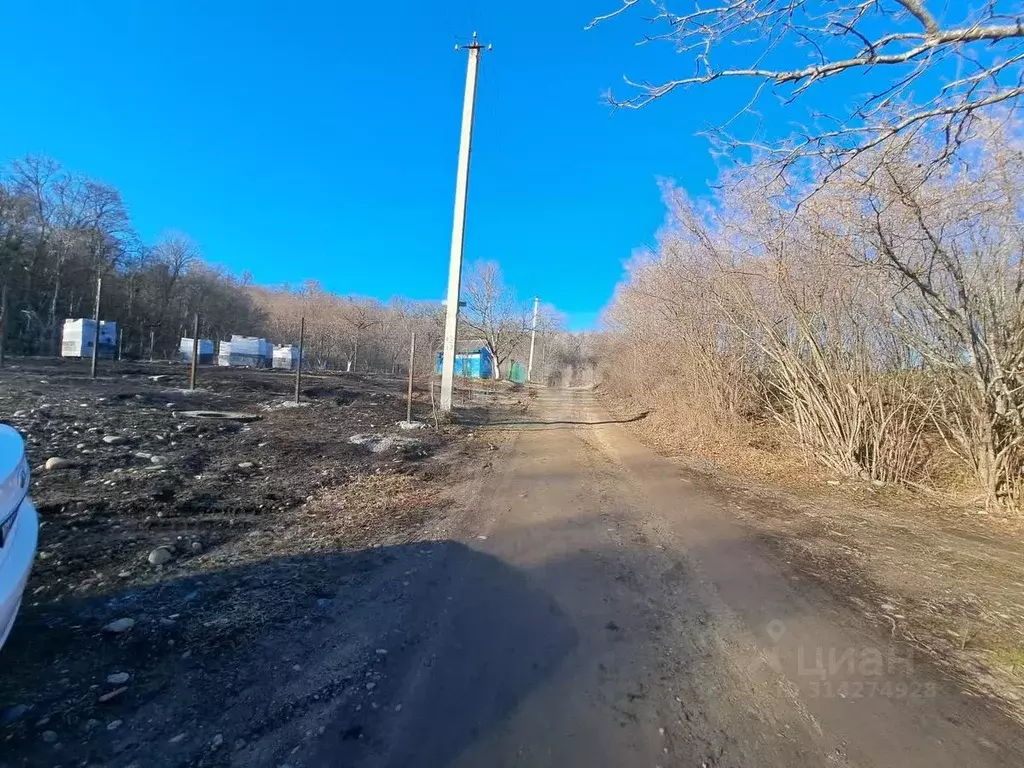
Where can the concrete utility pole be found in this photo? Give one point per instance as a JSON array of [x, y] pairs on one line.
[[451, 316], [533, 338]]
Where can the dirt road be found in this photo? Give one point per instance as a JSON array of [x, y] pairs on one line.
[[597, 608], [543, 592]]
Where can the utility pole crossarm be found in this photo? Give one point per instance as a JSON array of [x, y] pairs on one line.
[[451, 319]]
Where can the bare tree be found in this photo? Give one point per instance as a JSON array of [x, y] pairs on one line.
[[170, 261], [950, 246], [568, 360], [939, 68], [359, 315], [59, 231], [399, 319], [881, 324], [494, 313]]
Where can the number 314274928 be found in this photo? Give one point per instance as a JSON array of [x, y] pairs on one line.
[[859, 689]]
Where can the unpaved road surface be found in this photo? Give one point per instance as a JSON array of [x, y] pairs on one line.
[[601, 610], [580, 602]]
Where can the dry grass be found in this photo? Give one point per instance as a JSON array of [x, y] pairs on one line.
[[939, 573], [1010, 659], [381, 507], [761, 449]]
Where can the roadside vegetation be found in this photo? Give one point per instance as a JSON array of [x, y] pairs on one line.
[[878, 323], [852, 294]]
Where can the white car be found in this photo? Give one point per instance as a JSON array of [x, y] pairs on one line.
[[19, 527]]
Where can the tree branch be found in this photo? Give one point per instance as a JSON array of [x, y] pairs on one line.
[[908, 39], [917, 10]]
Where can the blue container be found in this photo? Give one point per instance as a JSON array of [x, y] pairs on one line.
[[471, 365]]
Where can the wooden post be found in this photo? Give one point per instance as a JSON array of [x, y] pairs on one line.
[[298, 367], [96, 329], [412, 363], [3, 321], [120, 343], [195, 352], [152, 339]]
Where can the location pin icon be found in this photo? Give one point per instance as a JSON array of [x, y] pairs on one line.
[[775, 629]]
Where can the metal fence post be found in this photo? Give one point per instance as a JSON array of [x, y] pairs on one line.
[[195, 353], [412, 365]]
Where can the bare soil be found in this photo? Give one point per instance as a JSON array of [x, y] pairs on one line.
[[534, 587], [604, 607], [263, 520]]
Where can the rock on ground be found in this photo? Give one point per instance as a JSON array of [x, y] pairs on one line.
[[118, 626], [112, 694], [380, 443], [160, 556], [56, 462]]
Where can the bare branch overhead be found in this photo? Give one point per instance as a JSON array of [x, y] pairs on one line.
[[942, 70]]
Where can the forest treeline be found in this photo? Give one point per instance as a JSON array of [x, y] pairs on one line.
[[60, 231], [876, 317]]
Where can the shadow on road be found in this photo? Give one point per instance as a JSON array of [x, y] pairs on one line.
[[414, 654], [568, 423], [259, 654]]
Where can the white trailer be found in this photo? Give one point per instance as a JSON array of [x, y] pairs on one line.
[[286, 356], [205, 350], [77, 338], [246, 351]]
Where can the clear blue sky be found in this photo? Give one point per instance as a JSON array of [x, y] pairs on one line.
[[318, 139]]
